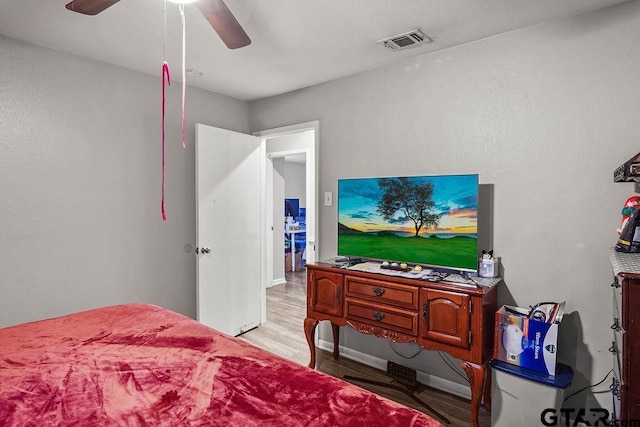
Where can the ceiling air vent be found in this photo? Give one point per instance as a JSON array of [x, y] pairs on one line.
[[405, 40]]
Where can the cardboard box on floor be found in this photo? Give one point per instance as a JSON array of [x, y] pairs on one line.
[[287, 261], [526, 342]]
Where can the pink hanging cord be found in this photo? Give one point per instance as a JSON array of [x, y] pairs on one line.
[[166, 78]]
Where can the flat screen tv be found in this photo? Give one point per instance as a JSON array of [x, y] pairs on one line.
[[426, 220]]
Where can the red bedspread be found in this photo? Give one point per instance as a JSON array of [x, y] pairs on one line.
[[138, 364]]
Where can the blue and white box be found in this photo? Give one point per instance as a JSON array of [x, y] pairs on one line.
[[525, 342]]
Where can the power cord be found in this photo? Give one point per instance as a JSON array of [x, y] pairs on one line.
[[453, 368], [589, 386], [468, 278], [403, 356], [446, 361]]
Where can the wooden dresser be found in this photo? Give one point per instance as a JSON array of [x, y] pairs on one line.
[[437, 315], [625, 344]]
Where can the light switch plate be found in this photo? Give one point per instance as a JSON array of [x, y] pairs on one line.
[[328, 198]]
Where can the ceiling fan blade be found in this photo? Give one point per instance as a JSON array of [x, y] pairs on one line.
[[225, 24], [90, 7]]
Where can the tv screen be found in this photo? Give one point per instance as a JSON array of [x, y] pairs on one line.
[[292, 207], [426, 220]]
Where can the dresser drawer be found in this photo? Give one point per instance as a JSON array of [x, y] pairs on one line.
[[382, 292], [382, 315]]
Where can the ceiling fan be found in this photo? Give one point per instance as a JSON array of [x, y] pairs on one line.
[[215, 11]]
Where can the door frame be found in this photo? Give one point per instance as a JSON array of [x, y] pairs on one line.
[[311, 196]]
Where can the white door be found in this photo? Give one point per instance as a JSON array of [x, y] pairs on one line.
[[228, 229]]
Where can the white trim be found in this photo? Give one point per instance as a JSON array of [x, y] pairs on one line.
[[311, 188], [265, 269], [283, 153], [312, 170], [429, 380], [286, 130], [280, 281]]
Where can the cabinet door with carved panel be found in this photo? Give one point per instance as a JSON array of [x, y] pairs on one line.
[[445, 317], [325, 292]]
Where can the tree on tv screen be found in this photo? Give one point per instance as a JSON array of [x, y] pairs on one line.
[[413, 199]]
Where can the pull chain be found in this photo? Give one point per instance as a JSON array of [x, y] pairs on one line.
[[166, 80]]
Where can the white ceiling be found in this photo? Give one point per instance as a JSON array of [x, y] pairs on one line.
[[295, 43]]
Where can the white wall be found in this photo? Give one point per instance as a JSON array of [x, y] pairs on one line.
[[294, 182], [80, 223], [544, 115]]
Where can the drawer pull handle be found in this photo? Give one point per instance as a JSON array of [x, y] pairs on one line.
[[377, 315], [378, 291], [616, 325], [612, 349]]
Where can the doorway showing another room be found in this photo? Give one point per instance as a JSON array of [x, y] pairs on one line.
[[290, 176]]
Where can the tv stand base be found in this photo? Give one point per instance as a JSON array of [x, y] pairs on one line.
[[409, 391]]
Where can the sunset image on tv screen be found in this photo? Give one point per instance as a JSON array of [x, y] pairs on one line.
[[431, 220]]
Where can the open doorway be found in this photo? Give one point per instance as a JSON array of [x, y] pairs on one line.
[[289, 155], [289, 215]]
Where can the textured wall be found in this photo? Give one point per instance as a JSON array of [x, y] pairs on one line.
[[80, 223], [544, 115]]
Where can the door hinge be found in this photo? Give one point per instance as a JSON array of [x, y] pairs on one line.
[[470, 337], [470, 305]]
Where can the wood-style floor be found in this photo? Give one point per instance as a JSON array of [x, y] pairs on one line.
[[283, 334]]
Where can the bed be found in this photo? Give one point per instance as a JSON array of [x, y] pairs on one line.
[[140, 364]]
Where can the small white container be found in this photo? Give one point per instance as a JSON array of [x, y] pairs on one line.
[[520, 396], [488, 267]]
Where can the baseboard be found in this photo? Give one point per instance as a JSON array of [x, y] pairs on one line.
[[280, 281], [430, 380]]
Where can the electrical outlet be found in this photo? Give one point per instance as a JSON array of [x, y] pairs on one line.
[[328, 198]]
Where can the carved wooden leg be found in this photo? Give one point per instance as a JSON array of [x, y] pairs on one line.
[[310, 332], [336, 340], [475, 374], [487, 388]]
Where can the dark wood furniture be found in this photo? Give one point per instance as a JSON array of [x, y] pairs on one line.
[[626, 335], [442, 316]]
